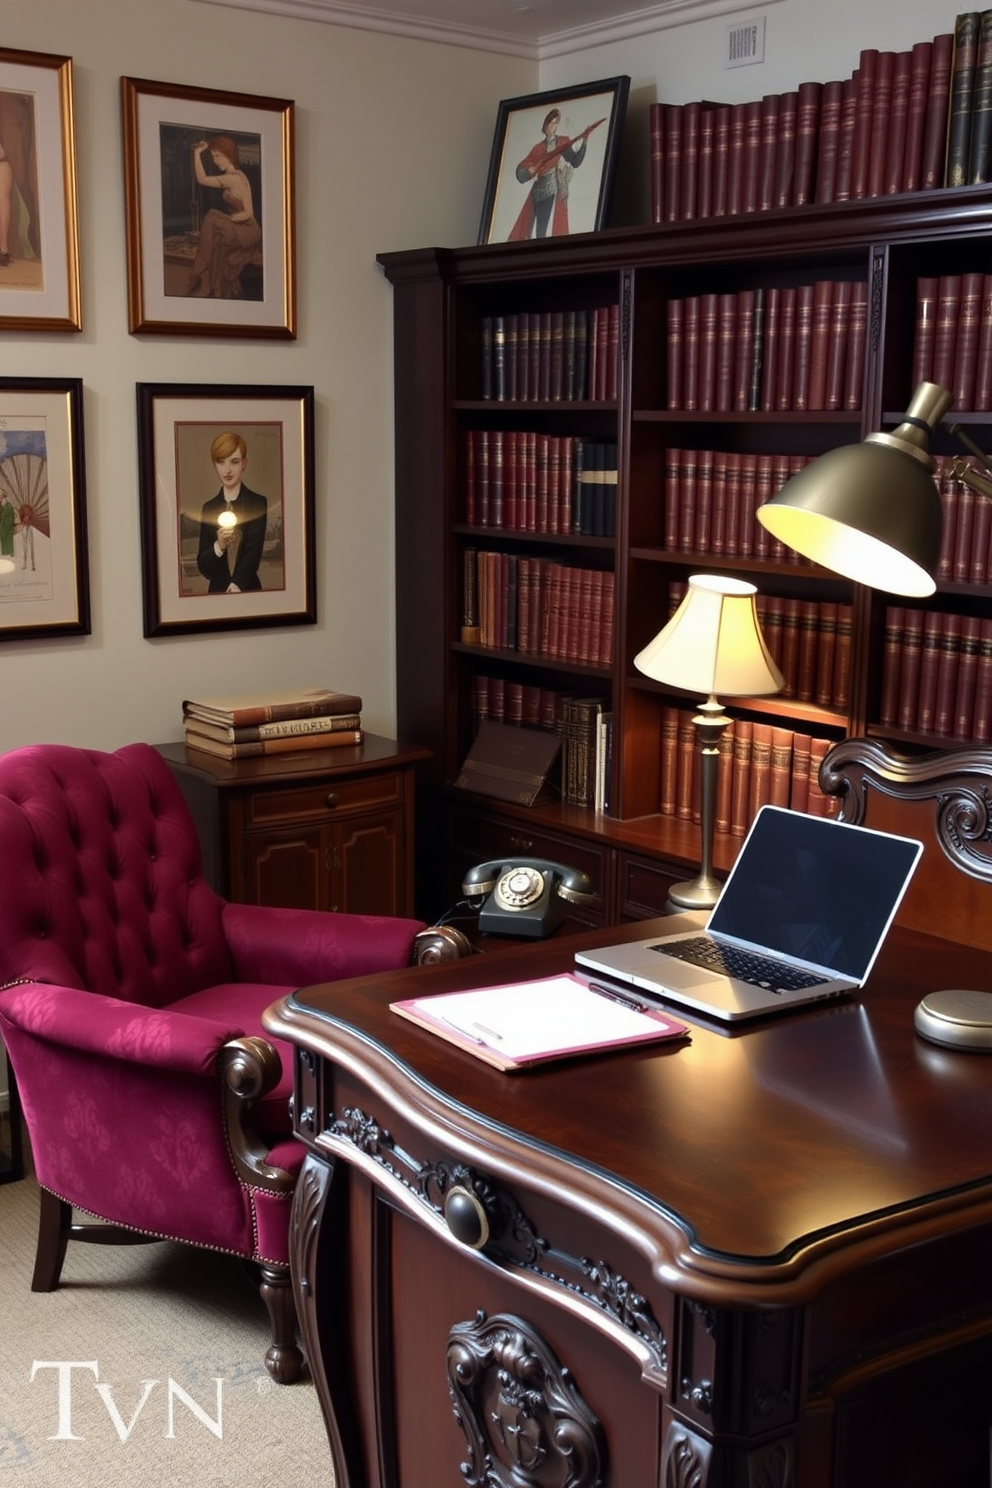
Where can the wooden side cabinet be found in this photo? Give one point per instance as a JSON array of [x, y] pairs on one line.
[[323, 829]]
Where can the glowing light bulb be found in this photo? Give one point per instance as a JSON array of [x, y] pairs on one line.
[[227, 519]]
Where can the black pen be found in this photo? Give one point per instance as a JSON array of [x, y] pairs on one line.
[[627, 1002]]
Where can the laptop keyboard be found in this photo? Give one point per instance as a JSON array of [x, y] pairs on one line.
[[746, 966]]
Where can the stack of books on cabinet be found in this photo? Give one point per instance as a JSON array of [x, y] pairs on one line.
[[247, 725]]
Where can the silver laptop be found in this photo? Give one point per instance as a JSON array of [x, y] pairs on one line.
[[801, 917]]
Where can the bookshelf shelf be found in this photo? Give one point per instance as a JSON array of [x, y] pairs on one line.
[[445, 302]]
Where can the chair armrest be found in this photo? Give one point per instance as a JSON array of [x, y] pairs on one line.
[[251, 1068], [91, 1023], [298, 947]]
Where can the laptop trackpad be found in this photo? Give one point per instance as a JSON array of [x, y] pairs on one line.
[[673, 973]]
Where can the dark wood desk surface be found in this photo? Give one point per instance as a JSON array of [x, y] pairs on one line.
[[800, 1159]]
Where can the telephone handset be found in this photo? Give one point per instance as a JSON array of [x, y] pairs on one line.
[[528, 896]]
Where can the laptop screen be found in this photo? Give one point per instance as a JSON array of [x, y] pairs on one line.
[[814, 888]]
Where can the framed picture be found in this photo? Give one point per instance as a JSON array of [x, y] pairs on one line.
[[208, 196], [227, 507], [39, 233], [44, 586], [553, 162]]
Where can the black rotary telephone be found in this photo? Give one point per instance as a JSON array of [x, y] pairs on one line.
[[525, 896]]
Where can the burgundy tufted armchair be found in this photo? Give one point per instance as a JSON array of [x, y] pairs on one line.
[[130, 1003]]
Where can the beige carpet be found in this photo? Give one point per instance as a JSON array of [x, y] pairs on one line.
[[180, 1317]]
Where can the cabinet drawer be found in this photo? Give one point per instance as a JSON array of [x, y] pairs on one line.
[[644, 886], [332, 798]]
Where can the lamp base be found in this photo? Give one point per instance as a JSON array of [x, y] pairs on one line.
[[957, 1018], [696, 893]]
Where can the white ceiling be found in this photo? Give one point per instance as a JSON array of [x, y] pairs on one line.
[[525, 28]]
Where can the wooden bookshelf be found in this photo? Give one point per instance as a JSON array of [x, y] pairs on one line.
[[446, 303]]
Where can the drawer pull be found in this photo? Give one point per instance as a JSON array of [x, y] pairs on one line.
[[332, 798], [466, 1217]]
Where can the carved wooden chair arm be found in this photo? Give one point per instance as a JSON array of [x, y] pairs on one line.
[[250, 1068]]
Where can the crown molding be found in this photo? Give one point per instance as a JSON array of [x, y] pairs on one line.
[[627, 27]]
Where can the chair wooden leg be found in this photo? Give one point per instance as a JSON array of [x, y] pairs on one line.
[[54, 1227], [283, 1359]]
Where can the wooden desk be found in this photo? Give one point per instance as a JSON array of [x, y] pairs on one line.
[[763, 1258]]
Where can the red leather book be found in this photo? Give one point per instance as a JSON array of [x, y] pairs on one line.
[[469, 485], [508, 441], [757, 351], [948, 491], [726, 352], [888, 702], [704, 501], [656, 137], [786, 354], [669, 760], [933, 631], [866, 82], [964, 534], [784, 180], [964, 377], [721, 161], [842, 657], [673, 486], [799, 789], [688, 181], [735, 159], [763, 491], [964, 699], [718, 521], [709, 308], [819, 804], [769, 116], [542, 487], [909, 677], [831, 101], [781, 473], [744, 350], [780, 781], [857, 339], [809, 103], [881, 123], [983, 356], [947, 674], [826, 654], [707, 148], [606, 623], [895, 152], [748, 464], [769, 348], [946, 328], [981, 536], [771, 615], [732, 525], [740, 792], [840, 324], [760, 781], [925, 329], [687, 501], [789, 663], [691, 353], [751, 161], [674, 343], [938, 105], [916, 114], [845, 141], [980, 138], [685, 775], [982, 722], [963, 69], [724, 779], [804, 346], [496, 477], [806, 657], [820, 331], [563, 461], [673, 162], [612, 351]]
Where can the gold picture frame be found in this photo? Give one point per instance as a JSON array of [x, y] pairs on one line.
[[210, 211], [39, 263]]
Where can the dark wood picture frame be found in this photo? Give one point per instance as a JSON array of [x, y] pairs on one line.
[[268, 577], [177, 141], [553, 162], [44, 577]]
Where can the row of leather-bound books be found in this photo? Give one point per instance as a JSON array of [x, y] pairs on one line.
[[903, 121], [711, 497], [937, 674], [794, 348], [952, 342], [759, 764], [538, 607], [532, 481], [551, 356]]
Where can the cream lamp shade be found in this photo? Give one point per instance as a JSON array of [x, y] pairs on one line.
[[713, 643]]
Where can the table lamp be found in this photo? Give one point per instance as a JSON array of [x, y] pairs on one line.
[[713, 643]]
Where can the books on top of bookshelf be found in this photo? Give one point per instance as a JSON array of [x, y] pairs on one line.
[[245, 725]]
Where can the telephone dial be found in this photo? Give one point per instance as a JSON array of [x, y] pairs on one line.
[[528, 896]]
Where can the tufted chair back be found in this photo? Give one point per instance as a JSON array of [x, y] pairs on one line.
[[100, 879]]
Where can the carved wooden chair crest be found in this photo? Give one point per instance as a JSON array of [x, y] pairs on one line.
[[944, 798]]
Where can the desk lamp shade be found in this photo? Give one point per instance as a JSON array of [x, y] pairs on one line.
[[870, 511], [713, 643]]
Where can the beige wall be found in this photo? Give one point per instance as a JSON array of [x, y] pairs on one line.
[[393, 138]]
